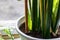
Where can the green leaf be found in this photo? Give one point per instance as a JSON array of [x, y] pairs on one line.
[[54, 15], [38, 17], [29, 22], [43, 15], [34, 15], [29, 15], [48, 18]]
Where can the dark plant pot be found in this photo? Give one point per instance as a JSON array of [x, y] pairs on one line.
[[23, 36]]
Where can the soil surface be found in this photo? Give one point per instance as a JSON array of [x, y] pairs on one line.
[[36, 34]]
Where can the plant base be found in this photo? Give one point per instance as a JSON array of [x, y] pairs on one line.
[[36, 34]]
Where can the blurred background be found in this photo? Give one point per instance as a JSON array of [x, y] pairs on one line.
[[11, 9]]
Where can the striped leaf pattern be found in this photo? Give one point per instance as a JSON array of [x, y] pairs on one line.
[[43, 16]]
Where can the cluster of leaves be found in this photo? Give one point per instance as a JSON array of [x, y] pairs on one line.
[[43, 15], [8, 32]]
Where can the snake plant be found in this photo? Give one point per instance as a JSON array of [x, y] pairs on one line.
[[43, 16]]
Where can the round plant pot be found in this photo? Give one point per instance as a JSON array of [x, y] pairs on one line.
[[23, 36]]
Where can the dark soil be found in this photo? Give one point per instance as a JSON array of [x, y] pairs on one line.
[[36, 34]]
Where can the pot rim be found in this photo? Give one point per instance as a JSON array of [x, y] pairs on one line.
[[27, 36]]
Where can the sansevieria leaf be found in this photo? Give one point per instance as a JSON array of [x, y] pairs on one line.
[[55, 15]]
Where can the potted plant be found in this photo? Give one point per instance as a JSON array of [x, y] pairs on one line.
[[41, 20]]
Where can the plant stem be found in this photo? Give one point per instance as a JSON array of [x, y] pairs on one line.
[[26, 16]]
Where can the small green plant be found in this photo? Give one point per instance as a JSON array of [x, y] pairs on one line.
[[8, 32], [43, 16]]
